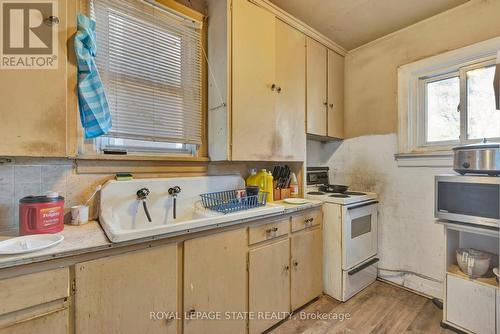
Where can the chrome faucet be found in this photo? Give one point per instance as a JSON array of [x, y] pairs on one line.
[[174, 191], [142, 195]]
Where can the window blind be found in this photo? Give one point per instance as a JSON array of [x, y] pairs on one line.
[[149, 60]]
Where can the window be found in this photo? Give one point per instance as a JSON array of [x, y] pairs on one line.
[[448, 99], [149, 59]]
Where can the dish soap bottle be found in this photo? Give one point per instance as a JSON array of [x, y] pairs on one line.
[[294, 187], [261, 180], [252, 178], [270, 187]]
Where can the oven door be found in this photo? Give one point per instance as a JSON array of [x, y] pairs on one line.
[[359, 229], [468, 199]]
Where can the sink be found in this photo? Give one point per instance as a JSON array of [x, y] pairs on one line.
[[123, 218]]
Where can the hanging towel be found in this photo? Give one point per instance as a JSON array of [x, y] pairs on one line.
[[93, 105]]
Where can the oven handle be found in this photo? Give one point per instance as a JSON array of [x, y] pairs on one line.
[[363, 266], [361, 205]]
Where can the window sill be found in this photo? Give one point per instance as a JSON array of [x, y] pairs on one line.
[[428, 159], [125, 157]]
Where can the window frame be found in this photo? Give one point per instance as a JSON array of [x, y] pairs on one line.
[[93, 148], [412, 114]]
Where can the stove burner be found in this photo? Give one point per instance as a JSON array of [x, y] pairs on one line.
[[354, 193], [315, 193], [339, 195]]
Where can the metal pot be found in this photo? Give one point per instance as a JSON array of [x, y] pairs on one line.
[[481, 158]]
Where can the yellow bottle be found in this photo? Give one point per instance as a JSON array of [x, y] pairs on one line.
[[252, 178], [269, 187], [261, 180]]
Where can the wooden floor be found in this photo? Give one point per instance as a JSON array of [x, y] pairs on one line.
[[381, 308]]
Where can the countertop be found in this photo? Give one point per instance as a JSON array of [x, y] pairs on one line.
[[91, 238]]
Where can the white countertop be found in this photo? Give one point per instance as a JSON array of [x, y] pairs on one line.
[[91, 238]]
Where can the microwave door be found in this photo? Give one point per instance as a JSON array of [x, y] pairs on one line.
[[360, 237]]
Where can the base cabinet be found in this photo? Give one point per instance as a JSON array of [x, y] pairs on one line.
[[306, 269], [269, 284], [117, 294], [470, 305], [215, 283]]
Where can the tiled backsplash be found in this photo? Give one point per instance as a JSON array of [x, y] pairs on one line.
[[37, 176]]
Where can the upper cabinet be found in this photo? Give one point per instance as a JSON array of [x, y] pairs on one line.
[[264, 119], [325, 91], [38, 104]]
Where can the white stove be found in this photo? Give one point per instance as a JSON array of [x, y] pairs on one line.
[[350, 237]]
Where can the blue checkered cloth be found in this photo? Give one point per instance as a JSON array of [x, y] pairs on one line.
[[93, 105]]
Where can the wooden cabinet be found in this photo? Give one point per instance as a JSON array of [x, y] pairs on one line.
[[268, 284], [117, 294], [39, 108], [264, 83], [325, 91], [215, 282], [335, 113], [306, 266], [316, 88], [35, 303]]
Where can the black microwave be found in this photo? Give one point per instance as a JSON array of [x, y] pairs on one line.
[[468, 199]]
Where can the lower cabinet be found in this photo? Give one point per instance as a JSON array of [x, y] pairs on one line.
[[306, 270], [269, 284], [470, 305], [54, 322], [118, 294], [215, 283]]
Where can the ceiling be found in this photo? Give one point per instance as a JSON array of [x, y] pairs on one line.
[[351, 23]]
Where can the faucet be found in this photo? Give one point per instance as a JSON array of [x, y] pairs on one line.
[[174, 191], [142, 195]]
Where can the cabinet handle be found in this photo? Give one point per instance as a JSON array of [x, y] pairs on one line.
[[331, 105], [278, 90], [287, 267], [295, 264], [325, 103], [273, 87], [269, 230]]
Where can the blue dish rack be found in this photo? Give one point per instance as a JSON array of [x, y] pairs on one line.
[[229, 201]]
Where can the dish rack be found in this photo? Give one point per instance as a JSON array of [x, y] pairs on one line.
[[232, 200]]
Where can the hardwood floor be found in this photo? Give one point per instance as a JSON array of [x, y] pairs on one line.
[[381, 308]]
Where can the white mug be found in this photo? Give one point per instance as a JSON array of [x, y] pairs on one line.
[[79, 214]]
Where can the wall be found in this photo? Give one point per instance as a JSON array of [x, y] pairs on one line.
[[408, 237], [371, 70]]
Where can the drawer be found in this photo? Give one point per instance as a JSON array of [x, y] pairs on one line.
[[268, 231], [306, 219], [354, 283], [24, 291]]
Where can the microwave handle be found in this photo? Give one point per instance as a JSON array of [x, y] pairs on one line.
[[361, 205]]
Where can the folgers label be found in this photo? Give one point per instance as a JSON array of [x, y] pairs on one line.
[[51, 216]]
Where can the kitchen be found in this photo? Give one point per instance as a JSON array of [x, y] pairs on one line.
[[333, 93]]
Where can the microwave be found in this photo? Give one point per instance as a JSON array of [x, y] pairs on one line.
[[468, 199]]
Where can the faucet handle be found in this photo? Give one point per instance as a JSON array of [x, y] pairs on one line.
[[143, 193], [174, 190]]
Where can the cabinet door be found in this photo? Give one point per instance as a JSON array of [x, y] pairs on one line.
[[269, 283], [56, 322], [215, 282], [335, 95], [316, 88], [117, 294], [290, 128], [470, 305], [35, 102], [253, 76], [306, 255]]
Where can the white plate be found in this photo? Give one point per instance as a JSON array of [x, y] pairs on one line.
[[29, 243], [295, 201]]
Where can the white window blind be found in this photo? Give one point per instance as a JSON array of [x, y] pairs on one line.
[[149, 60]]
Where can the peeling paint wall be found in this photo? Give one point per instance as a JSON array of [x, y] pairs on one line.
[[408, 237], [371, 70]]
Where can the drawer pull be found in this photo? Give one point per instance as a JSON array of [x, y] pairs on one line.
[[295, 264], [308, 221], [287, 267], [272, 230]]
